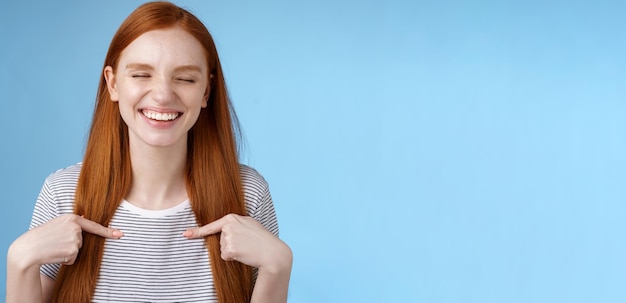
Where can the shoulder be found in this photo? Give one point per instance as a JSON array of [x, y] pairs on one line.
[[62, 183], [57, 195], [255, 189], [67, 174], [252, 179]]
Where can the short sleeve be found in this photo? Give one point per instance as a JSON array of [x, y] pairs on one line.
[[259, 202], [55, 198], [45, 210]]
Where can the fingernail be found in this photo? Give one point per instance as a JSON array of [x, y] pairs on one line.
[[188, 234], [117, 233]]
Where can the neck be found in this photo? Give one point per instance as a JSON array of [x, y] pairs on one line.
[[158, 176]]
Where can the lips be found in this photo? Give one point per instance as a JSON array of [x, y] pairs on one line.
[[160, 116]]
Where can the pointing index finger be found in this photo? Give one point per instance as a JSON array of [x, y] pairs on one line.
[[97, 229], [206, 230]]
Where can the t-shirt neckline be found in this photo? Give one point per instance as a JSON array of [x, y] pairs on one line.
[[160, 213]]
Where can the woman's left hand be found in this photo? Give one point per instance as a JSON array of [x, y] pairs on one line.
[[245, 240]]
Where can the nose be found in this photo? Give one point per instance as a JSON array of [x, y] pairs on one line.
[[162, 91]]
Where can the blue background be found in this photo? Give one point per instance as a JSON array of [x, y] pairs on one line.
[[417, 151]]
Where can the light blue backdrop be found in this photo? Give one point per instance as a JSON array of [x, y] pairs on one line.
[[417, 151]]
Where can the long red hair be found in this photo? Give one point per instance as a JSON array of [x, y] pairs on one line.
[[213, 180]]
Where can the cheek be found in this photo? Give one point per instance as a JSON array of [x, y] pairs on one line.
[[128, 102], [130, 94], [126, 107], [196, 101]]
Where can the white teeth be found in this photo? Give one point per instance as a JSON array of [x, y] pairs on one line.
[[160, 116]]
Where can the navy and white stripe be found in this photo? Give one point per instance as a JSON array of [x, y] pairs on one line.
[[153, 262]]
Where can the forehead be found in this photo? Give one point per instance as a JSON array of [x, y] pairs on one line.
[[165, 47]]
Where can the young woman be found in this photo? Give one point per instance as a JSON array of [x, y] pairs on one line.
[[159, 210]]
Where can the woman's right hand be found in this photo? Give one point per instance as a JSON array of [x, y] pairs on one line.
[[56, 241]]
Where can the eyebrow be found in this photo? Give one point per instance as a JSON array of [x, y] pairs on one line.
[[138, 66], [190, 68], [181, 68]]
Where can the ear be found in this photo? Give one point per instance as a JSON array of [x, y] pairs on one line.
[[109, 76], [207, 93]]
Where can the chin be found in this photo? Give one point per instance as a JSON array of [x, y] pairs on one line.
[[166, 142]]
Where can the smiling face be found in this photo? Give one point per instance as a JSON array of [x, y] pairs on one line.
[[161, 83]]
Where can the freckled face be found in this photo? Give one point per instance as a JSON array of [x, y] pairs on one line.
[[161, 83]]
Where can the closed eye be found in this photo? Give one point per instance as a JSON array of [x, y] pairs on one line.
[[140, 76], [186, 80]]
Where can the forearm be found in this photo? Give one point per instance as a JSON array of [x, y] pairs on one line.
[[272, 283], [23, 280], [271, 287]]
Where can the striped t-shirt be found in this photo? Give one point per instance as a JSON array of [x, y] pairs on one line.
[[153, 262]]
